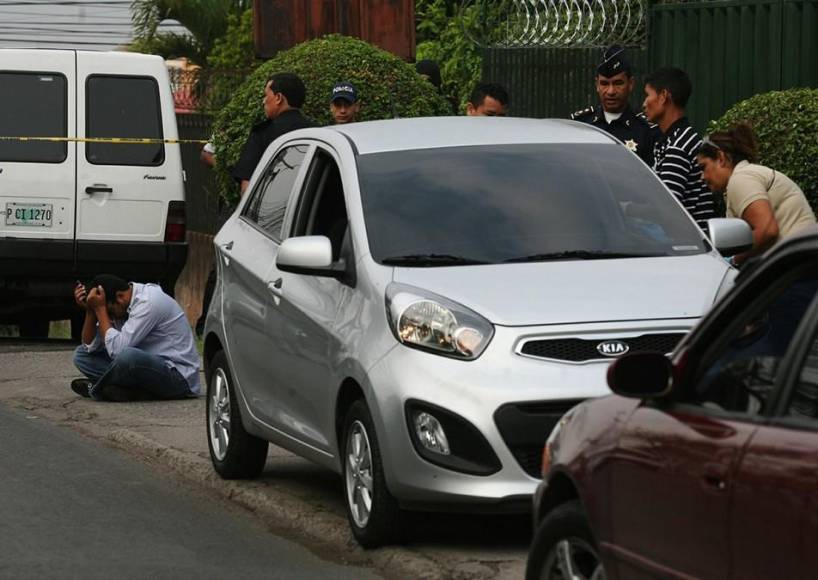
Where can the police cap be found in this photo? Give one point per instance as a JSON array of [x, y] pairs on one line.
[[614, 61]]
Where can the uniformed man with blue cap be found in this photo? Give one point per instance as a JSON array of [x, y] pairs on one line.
[[614, 84]]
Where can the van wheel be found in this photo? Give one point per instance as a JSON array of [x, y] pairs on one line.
[[234, 452], [374, 514], [34, 328], [564, 547]]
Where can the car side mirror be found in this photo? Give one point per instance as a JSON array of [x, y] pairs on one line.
[[641, 375], [730, 236], [309, 255]]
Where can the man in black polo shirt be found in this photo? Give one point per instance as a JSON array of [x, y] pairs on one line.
[[666, 93], [284, 95], [614, 85]]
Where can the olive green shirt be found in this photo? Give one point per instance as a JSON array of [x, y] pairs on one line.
[[751, 182]]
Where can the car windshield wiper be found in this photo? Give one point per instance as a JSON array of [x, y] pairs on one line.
[[582, 255], [430, 260]]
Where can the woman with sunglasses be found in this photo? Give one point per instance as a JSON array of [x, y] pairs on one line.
[[768, 200]]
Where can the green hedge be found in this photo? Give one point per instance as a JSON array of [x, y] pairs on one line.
[[386, 86], [786, 123]]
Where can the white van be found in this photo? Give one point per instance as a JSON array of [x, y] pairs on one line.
[[73, 208]]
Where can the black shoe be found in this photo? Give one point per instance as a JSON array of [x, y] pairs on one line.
[[81, 387], [119, 394]]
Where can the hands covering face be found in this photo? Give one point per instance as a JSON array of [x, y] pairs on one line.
[[80, 294], [96, 298]]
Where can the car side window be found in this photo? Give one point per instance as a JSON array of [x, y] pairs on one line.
[[804, 400], [323, 211], [268, 201], [742, 372]]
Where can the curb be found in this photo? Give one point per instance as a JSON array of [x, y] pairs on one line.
[[283, 511]]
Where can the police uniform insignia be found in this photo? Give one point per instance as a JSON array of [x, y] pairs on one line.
[[630, 144], [582, 113], [642, 117]]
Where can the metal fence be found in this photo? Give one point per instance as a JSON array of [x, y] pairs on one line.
[[736, 49], [201, 194], [732, 49], [550, 82], [195, 89]]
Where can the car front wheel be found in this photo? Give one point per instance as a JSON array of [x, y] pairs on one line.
[[373, 512], [564, 547], [234, 452]]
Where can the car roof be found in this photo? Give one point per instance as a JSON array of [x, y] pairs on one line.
[[436, 132]]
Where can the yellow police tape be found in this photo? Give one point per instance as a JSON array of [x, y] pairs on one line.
[[120, 140]]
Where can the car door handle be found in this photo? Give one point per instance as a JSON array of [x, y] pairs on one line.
[[98, 188], [275, 287], [228, 246]]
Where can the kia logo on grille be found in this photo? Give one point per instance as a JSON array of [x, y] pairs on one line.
[[612, 348]]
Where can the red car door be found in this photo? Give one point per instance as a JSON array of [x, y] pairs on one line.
[[671, 493], [674, 472], [774, 527]]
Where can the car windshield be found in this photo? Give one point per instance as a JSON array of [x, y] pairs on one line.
[[518, 203]]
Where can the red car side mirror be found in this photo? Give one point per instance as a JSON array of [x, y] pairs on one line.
[[641, 375]]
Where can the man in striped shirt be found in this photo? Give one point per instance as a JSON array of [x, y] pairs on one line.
[[666, 93]]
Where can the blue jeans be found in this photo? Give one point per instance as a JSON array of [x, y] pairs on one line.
[[132, 368]]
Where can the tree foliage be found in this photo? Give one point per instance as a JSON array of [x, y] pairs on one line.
[[387, 87], [442, 38], [230, 62], [206, 20], [786, 123]]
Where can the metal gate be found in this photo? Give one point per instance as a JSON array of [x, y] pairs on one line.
[[732, 49]]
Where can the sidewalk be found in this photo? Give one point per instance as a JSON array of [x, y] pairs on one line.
[[294, 497]]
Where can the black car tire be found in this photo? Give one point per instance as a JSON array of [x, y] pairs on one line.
[[244, 454], [565, 523], [385, 518]]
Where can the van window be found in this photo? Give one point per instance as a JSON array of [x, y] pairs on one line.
[[33, 105], [123, 107]]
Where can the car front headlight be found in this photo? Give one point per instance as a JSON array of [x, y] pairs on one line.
[[424, 320]]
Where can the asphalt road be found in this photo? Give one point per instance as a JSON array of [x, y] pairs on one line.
[[74, 508]]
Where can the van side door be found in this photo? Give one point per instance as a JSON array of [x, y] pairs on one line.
[[37, 177], [123, 189]]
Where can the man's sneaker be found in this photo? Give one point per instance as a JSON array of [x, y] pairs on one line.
[[119, 394], [81, 387]]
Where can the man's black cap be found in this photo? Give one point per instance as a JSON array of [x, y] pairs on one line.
[[614, 61]]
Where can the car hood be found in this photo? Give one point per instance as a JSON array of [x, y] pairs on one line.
[[577, 291]]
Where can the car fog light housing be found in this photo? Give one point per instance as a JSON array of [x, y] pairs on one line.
[[446, 439], [431, 434], [424, 320]]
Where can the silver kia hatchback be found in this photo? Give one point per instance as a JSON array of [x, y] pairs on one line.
[[414, 303]]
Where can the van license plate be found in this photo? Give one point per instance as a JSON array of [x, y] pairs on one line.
[[36, 215]]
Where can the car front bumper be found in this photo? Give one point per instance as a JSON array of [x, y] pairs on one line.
[[512, 400]]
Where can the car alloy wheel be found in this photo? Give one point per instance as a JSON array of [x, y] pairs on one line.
[[219, 415], [374, 514], [573, 559], [564, 547], [359, 482], [235, 453]]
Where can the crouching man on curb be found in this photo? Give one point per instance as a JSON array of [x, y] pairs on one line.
[[136, 343]]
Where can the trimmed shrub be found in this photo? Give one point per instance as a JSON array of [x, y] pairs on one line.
[[786, 123], [387, 86]]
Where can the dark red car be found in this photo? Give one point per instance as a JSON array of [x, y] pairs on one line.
[[704, 465]]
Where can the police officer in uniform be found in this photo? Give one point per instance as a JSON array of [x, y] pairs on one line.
[[614, 84]]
